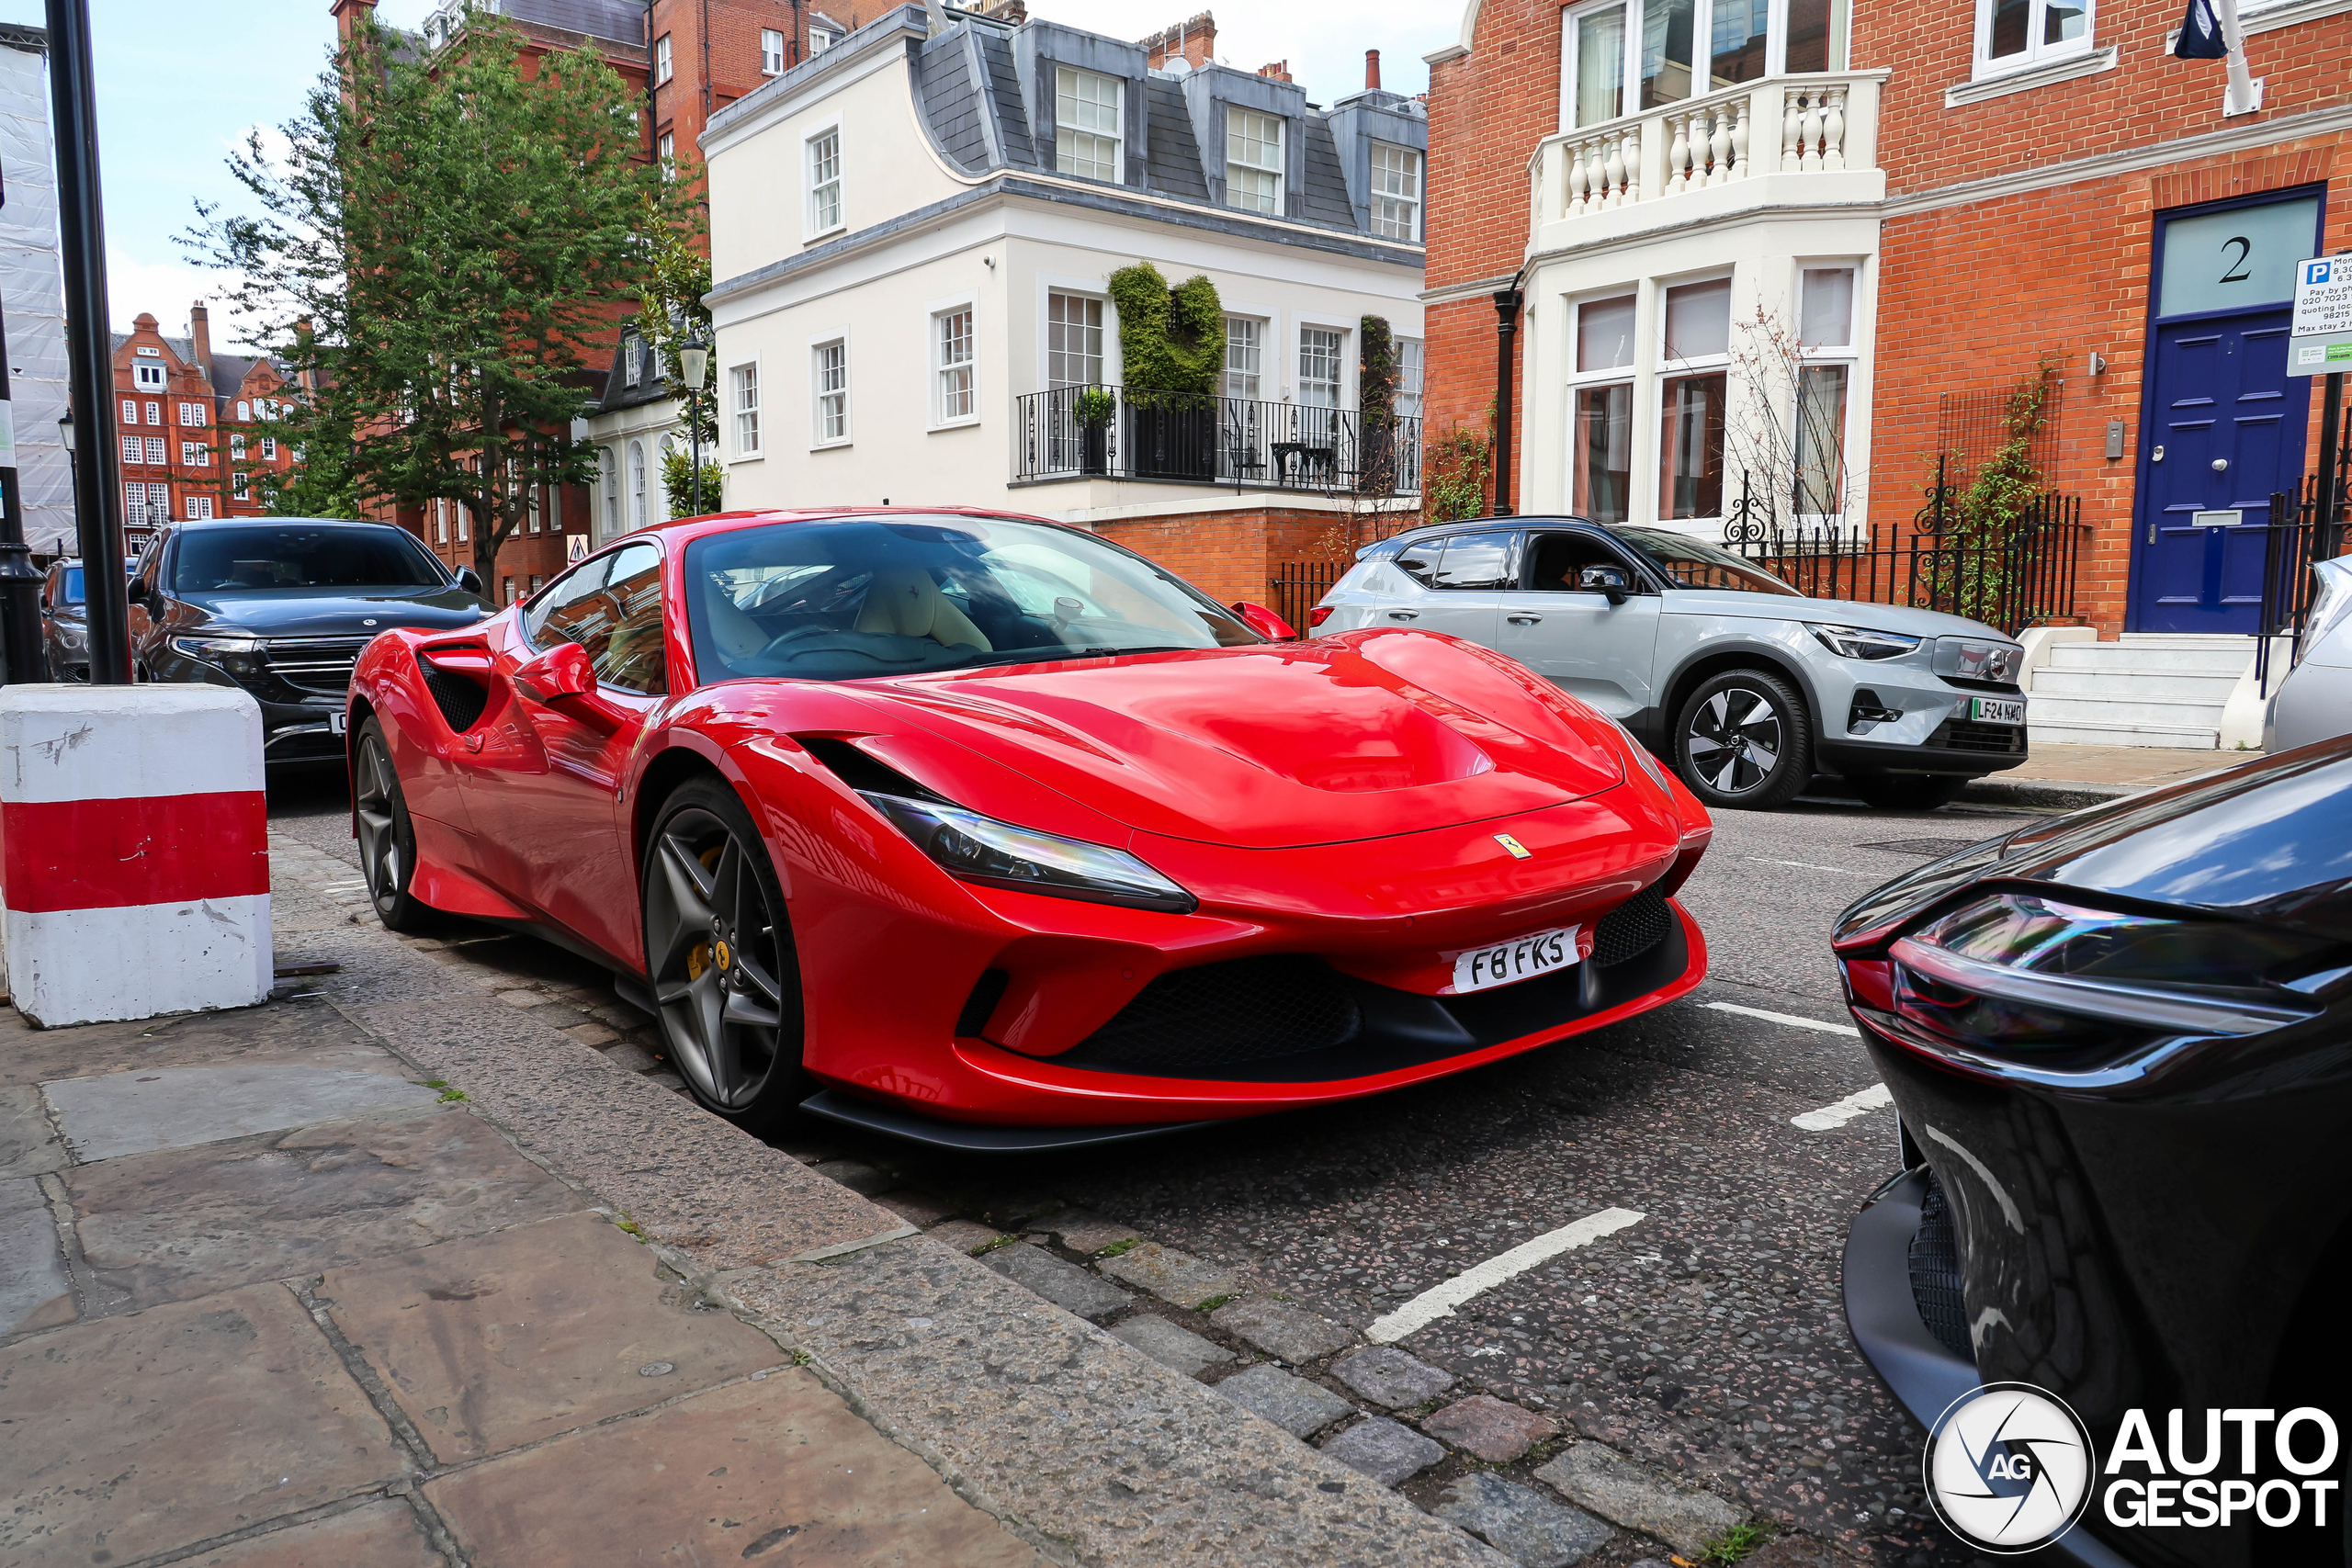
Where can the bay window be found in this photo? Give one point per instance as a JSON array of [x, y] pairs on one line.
[[1825, 334], [1692, 395], [1602, 441], [1668, 51]]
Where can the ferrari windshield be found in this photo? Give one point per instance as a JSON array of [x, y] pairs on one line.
[[1687, 563], [863, 596]]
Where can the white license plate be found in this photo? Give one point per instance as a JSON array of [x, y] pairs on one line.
[[337, 720], [1996, 710], [1482, 969]]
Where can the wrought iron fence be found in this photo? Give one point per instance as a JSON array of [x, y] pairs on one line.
[[1299, 585], [2010, 578], [2306, 525], [1131, 434]]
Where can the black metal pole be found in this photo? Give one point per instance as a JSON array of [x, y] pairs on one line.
[[19, 583], [1507, 302], [2331, 435], [81, 224]]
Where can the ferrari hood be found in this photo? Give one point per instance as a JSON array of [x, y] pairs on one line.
[[1359, 736]]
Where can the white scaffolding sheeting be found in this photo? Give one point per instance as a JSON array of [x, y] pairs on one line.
[[32, 296]]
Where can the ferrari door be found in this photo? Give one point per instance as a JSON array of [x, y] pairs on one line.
[[542, 787]]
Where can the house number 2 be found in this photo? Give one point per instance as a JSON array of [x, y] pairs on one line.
[[2237, 271]]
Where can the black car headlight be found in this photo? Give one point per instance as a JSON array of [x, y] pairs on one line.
[[73, 637], [237, 655], [998, 854], [1859, 642], [2028, 971]]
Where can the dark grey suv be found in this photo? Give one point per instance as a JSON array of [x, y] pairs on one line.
[[281, 606]]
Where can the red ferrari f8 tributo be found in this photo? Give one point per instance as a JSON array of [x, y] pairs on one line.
[[983, 831]]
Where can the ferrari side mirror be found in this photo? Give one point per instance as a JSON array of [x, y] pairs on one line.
[[561, 671], [1264, 622]]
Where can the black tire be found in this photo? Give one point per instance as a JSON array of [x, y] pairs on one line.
[[1744, 741], [387, 837], [1907, 792], [719, 958]]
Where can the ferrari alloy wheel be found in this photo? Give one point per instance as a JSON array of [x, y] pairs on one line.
[[387, 837], [1743, 741], [718, 953]]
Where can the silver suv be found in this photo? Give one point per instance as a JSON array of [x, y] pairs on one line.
[[1743, 684]]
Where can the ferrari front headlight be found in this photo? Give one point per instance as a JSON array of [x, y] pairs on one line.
[[998, 854]]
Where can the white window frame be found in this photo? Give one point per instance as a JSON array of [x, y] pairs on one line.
[[954, 380], [1107, 359], [1234, 127], [813, 217], [663, 67], [147, 376], [771, 52], [237, 488], [154, 413], [1649, 399], [1304, 322], [1246, 386], [192, 415], [2034, 53], [640, 486], [1776, 41], [1848, 354], [244, 411], [237, 444], [440, 520], [196, 455], [822, 39], [666, 151], [819, 439], [632, 360], [609, 470], [199, 508], [157, 453], [131, 449], [1412, 376], [269, 448], [737, 451], [1067, 79], [1407, 201], [130, 411]]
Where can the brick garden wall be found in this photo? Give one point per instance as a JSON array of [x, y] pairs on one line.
[[1234, 555]]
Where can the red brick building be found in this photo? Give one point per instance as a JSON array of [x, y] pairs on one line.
[[1803, 255], [185, 416]]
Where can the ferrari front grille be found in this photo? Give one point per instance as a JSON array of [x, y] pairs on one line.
[[460, 701], [1632, 929], [1935, 1274], [1245, 1010]]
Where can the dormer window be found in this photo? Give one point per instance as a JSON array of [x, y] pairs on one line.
[[1087, 124], [1396, 191], [632, 360], [1253, 161], [823, 38]]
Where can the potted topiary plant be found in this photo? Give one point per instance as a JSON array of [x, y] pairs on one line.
[[1092, 409], [1171, 342]]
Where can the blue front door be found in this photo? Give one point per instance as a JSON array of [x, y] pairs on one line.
[[2227, 429]]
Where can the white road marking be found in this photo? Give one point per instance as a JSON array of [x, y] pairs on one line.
[[1788, 1018], [1808, 866], [1440, 1300], [1860, 1103]]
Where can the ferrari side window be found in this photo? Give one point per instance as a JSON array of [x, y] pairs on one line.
[[1477, 560], [567, 605], [631, 657]]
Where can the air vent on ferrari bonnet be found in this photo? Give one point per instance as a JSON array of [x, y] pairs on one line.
[[460, 701]]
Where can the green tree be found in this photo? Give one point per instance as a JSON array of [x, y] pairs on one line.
[[446, 242], [678, 483]]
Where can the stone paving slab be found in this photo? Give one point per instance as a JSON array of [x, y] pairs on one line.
[[1059, 1425], [1085, 1232], [178, 1223], [1525, 1526], [35, 1290], [306, 1030], [1177, 1277], [1599, 1478], [1387, 1375], [129, 1437], [778, 1471], [1493, 1429], [492, 1342], [1297, 1406], [1065, 1284], [966, 1237], [1284, 1332], [1177, 1348], [28, 1144], [174, 1108], [384, 1534], [1389, 1451]]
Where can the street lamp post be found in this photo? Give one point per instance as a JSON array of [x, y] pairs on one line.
[[694, 364]]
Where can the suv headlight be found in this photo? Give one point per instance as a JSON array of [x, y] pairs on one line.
[[237, 655], [998, 854], [1857, 642]]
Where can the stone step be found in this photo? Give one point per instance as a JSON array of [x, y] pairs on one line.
[[2186, 639], [2124, 712], [2133, 658], [2141, 685], [2122, 734]]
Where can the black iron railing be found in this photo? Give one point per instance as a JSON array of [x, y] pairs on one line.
[[1299, 585], [2018, 574], [2299, 531], [1130, 434]]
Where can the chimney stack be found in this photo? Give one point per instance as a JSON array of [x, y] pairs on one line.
[[1372, 70], [1193, 40], [199, 328], [1279, 71]]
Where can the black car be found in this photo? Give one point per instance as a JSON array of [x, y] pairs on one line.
[[281, 606], [65, 623], [2120, 1043]]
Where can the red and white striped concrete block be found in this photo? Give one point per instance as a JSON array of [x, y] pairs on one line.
[[134, 851]]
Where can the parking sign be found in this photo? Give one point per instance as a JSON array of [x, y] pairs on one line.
[[2319, 341]]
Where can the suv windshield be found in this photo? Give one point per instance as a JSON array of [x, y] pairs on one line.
[[1687, 563], [232, 560], [885, 596]]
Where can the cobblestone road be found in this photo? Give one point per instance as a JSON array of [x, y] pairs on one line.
[[1703, 1338]]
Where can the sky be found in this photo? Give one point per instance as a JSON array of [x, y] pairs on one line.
[[180, 84]]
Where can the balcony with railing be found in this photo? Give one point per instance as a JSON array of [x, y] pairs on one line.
[[1114, 433], [1789, 139]]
